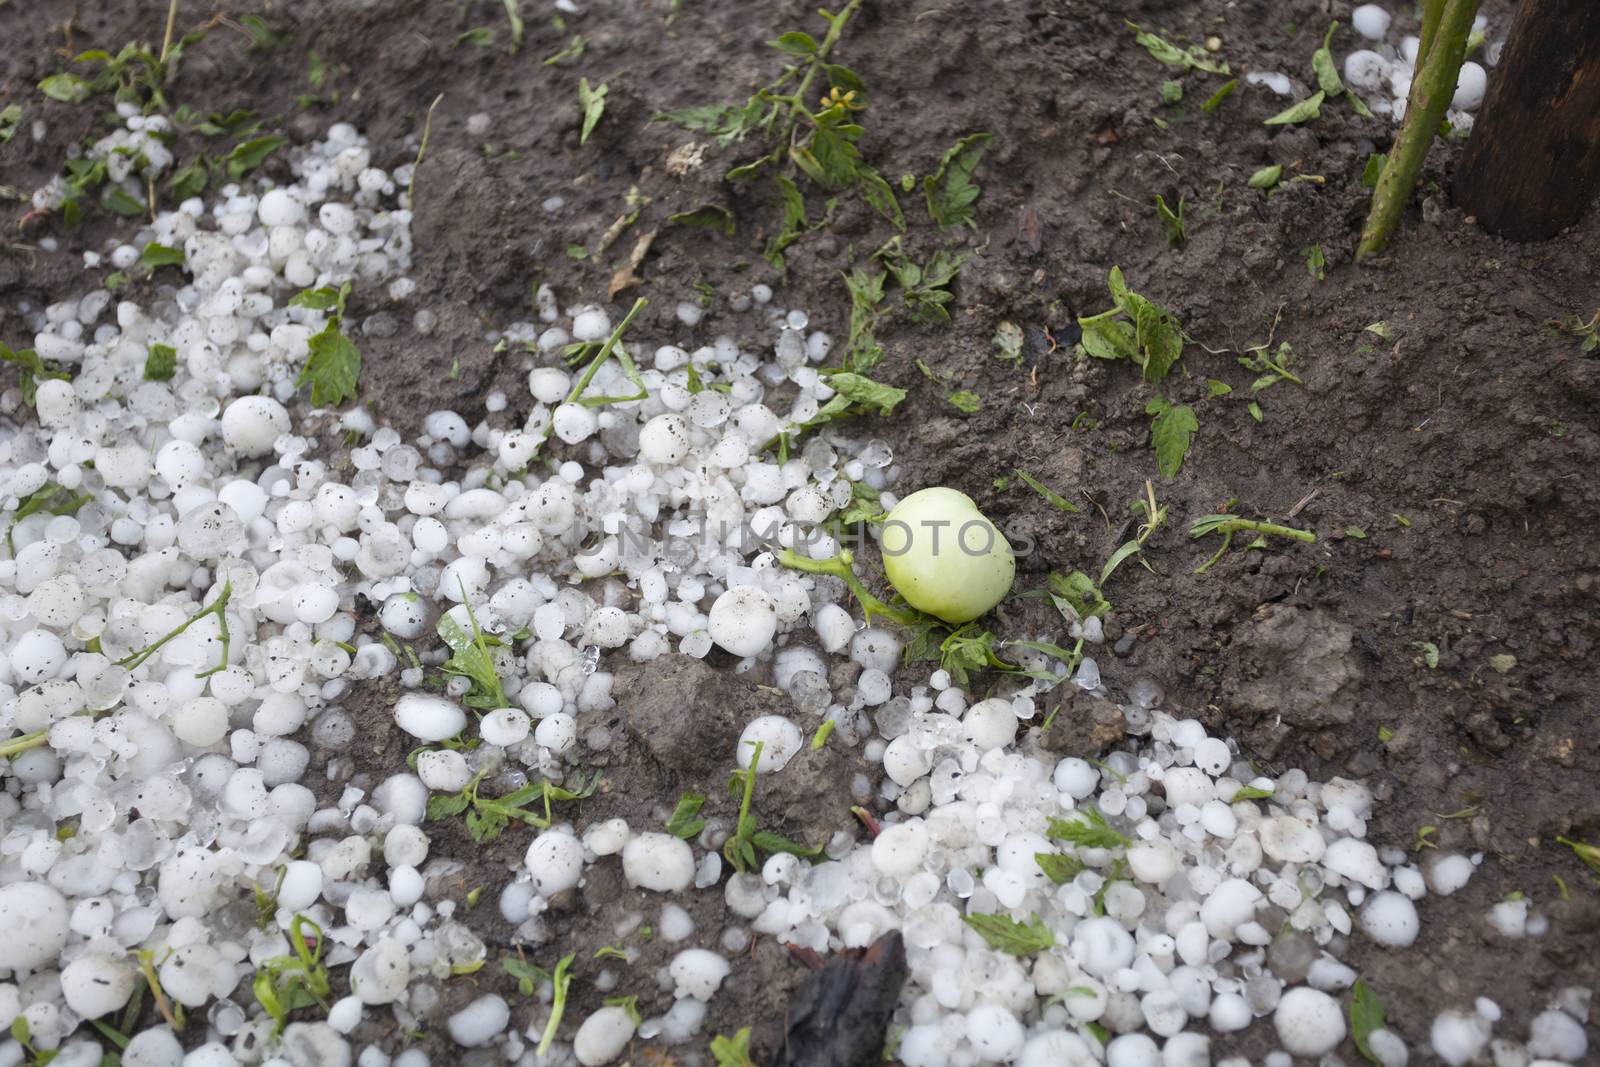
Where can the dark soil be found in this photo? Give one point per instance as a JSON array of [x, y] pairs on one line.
[[1447, 470]]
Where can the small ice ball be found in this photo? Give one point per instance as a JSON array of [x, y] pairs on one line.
[[697, 972], [603, 1036], [833, 626], [1390, 919], [1471, 84], [1449, 873], [1553, 1035], [659, 862], [743, 620], [1365, 69], [1371, 22], [37, 915], [1357, 861], [555, 859], [780, 740], [96, 985], [505, 727], [251, 424], [1458, 1037], [480, 1022], [1309, 1022], [899, 849], [664, 440], [995, 1034], [278, 207], [427, 717]]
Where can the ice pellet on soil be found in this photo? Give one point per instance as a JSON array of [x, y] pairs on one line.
[[480, 1022], [697, 972], [780, 740], [603, 1036], [659, 862], [1309, 1022], [1371, 21], [36, 915], [743, 620], [428, 718]]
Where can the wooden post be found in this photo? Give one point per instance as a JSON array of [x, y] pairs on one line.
[[1533, 161]]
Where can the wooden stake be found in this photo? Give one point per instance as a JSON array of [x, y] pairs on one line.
[[1533, 161]]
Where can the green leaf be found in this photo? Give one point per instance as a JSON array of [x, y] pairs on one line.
[[160, 363], [263, 37], [1216, 98], [880, 195], [1255, 411], [1194, 58], [727, 122], [67, 88], [322, 299], [577, 252], [1250, 792], [859, 389], [10, 119], [1171, 223], [794, 224], [1171, 431], [1110, 339], [158, 255], [1058, 867], [1216, 387], [1356, 532], [829, 156], [190, 181], [1008, 340], [1078, 593], [332, 369], [1316, 263], [1171, 91], [965, 401], [477, 37], [950, 190], [119, 201], [684, 821], [711, 216], [447, 806], [249, 155], [769, 842], [1266, 177], [1053, 498], [1322, 62], [594, 105], [1304, 111], [1374, 169], [1366, 1016], [32, 369], [1011, 937], [1502, 663], [575, 48], [1088, 828], [732, 1051], [861, 351], [514, 17], [795, 43]]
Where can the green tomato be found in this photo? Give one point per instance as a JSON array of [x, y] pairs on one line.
[[944, 557]]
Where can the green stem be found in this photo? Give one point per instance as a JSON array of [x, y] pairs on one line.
[[1270, 528], [605, 351], [166, 40], [22, 742], [218, 607], [839, 567], [1438, 66], [835, 31]]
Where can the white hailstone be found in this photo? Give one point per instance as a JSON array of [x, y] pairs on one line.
[[1230, 904], [994, 1033], [990, 724], [660, 862], [1291, 840], [591, 324], [904, 762], [697, 972], [1555, 1035], [443, 770], [1449, 873], [480, 1022], [1471, 85], [1390, 919], [899, 848], [603, 1036], [37, 655], [1076, 777], [1357, 861], [368, 909], [743, 620], [676, 924], [606, 838], [574, 423], [251, 424], [404, 614], [555, 859], [833, 626], [1153, 862], [1309, 1022], [558, 732], [1229, 1013], [200, 722], [301, 885], [193, 974], [1186, 1050], [1133, 1050], [154, 1047], [1371, 21], [780, 741], [1365, 70], [427, 717], [1055, 1048], [406, 886], [808, 505], [36, 915], [607, 627], [505, 727], [1409, 46], [1389, 1048], [1458, 1037], [1275, 80], [96, 985], [1101, 946], [664, 440], [344, 1016], [381, 973], [278, 207]]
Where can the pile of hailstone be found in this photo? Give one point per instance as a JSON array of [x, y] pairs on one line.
[[160, 772], [1382, 73]]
